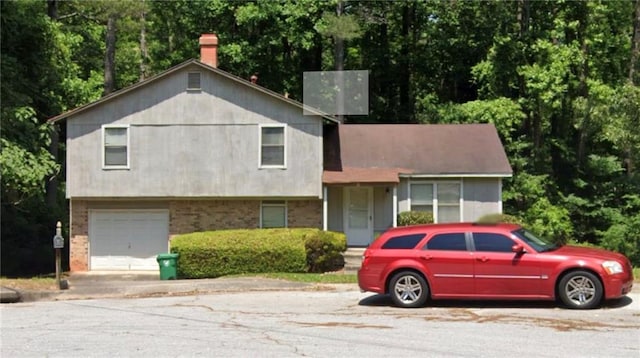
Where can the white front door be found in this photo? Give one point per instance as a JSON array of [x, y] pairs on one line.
[[358, 215]]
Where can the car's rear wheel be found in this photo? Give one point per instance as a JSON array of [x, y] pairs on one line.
[[408, 289], [580, 289]]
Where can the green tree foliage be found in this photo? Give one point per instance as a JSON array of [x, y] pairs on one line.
[[30, 85], [558, 79]]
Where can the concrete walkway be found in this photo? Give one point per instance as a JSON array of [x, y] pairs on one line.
[[88, 285]]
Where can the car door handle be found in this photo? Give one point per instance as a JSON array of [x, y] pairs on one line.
[[426, 257], [483, 259]]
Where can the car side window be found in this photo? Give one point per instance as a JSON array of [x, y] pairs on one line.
[[490, 242], [451, 242], [406, 242]]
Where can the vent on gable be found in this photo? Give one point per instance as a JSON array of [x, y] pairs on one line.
[[193, 81]]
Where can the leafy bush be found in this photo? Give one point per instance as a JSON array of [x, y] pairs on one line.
[[218, 253], [324, 251], [407, 218], [548, 220], [623, 236]]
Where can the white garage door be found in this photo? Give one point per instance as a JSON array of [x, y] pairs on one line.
[[127, 240]]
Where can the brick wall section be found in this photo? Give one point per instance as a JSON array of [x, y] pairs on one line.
[[187, 216], [205, 215], [305, 213], [79, 240]]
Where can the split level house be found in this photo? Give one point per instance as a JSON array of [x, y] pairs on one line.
[[196, 149]]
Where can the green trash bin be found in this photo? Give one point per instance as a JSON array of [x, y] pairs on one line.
[[168, 266]]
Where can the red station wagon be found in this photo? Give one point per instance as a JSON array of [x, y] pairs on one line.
[[489, 261]]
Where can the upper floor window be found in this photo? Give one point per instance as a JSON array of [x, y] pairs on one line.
[[273, 213], [442, 199], [115, 152], [272, 146]]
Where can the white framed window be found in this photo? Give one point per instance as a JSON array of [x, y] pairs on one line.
[[422, 197], [115, 147], [273, 143], [273, 214], [442, 199]]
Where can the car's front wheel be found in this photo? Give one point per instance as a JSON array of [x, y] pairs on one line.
[[580, 289], [408, 289]]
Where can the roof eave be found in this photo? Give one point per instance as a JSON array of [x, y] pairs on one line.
[[458, 175]]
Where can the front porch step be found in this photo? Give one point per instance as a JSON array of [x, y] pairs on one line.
[[352, 259]]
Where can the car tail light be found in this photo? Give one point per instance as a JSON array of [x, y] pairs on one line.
[[365, 259]]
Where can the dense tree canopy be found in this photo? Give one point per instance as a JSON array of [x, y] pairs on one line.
[[557, 78]]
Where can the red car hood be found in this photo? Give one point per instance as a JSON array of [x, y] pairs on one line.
[[590, 253]]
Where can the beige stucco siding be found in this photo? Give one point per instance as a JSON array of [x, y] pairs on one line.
[[194, 143]]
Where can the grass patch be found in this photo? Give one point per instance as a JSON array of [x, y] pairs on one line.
[[33, 283], [313, 277], [636, 274]]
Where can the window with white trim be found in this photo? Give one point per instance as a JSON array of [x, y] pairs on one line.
[[115, 150], [273, 214], [441, 199], [272, 146]]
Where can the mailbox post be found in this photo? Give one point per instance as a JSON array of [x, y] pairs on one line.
[[58, 245]]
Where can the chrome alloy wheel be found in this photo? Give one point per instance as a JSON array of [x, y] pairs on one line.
[[581, 290], [408, 289]]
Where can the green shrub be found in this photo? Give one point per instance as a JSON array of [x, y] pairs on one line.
[[548, 220], [219, 253], [625, 239], [499, 218], [324, 251], [407, 218]]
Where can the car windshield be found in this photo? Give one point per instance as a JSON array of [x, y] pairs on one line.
[[539, 244]]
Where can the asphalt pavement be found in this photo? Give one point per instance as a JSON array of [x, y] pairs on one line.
[[88, 285], [116, 284]]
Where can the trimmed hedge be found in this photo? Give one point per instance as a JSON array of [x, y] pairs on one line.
[[407, 218], [226, 252]]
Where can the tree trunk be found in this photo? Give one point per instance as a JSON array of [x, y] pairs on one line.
[[144, 50], [52, 9], [109, 58], [583, 87], [523, 17], [53, 183], [635, 44], [404, 75], [338, 65]]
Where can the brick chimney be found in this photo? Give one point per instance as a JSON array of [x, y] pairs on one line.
[[209, 49]]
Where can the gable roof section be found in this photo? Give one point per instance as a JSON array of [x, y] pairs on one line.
[[378, 152], [177, 68]]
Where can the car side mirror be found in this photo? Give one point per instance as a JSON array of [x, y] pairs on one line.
[[518, 249]]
